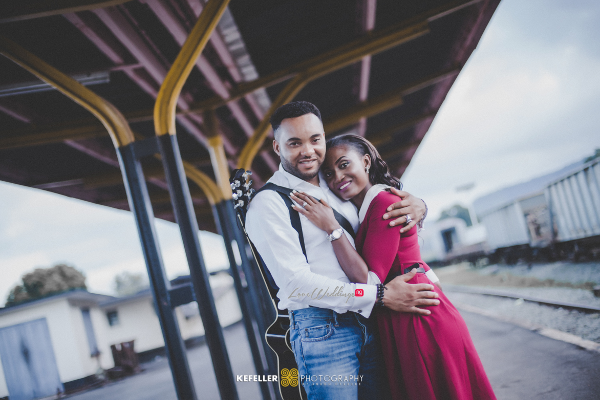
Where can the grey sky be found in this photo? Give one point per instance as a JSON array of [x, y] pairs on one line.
[[39, 229], [526, 103]]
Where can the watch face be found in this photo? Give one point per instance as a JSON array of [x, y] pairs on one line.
[[335, 234]]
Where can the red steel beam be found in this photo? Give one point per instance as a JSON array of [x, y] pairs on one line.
[[153, 72], [367, 10], [165, 14]]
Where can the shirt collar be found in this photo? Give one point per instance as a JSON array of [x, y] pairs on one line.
[[322, 183], [371, 194], [293, 180]]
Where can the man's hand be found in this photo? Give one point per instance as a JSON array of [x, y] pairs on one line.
[[405, 297], [409, 205]]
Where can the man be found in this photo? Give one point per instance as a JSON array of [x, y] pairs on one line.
[[330, 333]]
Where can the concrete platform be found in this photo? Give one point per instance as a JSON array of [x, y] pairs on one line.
[[156, 382], [521, 364]]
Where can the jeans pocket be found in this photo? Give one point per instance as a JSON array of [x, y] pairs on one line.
[[316, 333]]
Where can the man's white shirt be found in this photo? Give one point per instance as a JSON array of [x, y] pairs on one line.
[[320, 282]]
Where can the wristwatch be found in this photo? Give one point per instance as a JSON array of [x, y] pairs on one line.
[[335, 235]]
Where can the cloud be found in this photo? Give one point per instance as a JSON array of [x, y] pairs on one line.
[[41, 229], [522, 106], [525, 104]]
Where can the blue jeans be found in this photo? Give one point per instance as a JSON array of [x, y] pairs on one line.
[[338, 355]]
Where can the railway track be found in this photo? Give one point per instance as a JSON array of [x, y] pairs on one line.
[[508, 295]]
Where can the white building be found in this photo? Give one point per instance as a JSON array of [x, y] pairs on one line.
[[450, 238], [60, 342]]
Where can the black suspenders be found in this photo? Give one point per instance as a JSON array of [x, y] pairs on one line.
[[295, 216]]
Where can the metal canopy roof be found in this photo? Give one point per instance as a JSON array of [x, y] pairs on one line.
[[125, 48]]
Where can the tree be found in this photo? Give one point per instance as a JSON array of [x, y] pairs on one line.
[[593, 156], [127, 283], [43, 282]]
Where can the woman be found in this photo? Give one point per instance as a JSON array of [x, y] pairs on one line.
[[426, 356]]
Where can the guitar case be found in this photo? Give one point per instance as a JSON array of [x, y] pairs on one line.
[[277, 335]]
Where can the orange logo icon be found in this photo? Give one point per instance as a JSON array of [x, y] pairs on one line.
[[289, 377]]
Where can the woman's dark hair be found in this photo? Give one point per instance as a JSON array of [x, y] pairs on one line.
[[379, 171]]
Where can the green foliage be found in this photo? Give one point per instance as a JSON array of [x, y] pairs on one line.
[[593, 156], [128, 283], [43, 282]]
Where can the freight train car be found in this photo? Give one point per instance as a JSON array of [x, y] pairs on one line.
[[553, 216], [574, 204]]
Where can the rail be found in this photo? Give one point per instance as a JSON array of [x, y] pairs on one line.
[[508, 295]]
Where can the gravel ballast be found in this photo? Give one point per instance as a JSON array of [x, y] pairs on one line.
[[560, 282]]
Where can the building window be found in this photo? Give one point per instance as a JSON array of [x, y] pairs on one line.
[[113, 317]]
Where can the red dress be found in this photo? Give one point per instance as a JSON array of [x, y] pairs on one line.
[[426, 357]]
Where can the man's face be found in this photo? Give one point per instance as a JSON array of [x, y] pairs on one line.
[[300, 144]]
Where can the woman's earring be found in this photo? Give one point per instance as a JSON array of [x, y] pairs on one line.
[[367, 169]]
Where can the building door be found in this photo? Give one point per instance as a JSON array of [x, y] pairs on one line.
[[89, 331], [28, 360], [449, 238]]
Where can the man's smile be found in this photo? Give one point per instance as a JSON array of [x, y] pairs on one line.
[[307, 162]]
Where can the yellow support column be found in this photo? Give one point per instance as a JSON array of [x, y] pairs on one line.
[[217, 153], [320, 67], [165, 110], [166, 102], [137, 193]]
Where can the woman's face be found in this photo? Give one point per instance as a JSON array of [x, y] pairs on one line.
[[344, 171]]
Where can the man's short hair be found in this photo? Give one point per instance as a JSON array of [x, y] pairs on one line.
[[292, 110]]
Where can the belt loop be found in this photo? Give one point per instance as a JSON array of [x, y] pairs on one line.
[[335, 318], [292, 320]]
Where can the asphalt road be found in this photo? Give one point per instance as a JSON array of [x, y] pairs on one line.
[[524, 365], [156, 382], [520, 364]]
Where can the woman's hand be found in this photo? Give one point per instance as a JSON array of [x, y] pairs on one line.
[[319, 213]]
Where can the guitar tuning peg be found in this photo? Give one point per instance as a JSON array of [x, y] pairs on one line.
[[247, 185], [239, 193], [247, 174], [234, 196], [240, 203]]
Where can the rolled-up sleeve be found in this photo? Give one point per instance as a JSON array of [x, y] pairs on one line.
[[269, 227]]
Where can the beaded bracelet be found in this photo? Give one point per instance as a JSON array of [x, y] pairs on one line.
[[380, 289]]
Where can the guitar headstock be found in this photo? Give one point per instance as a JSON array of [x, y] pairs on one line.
[[241, 188]]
